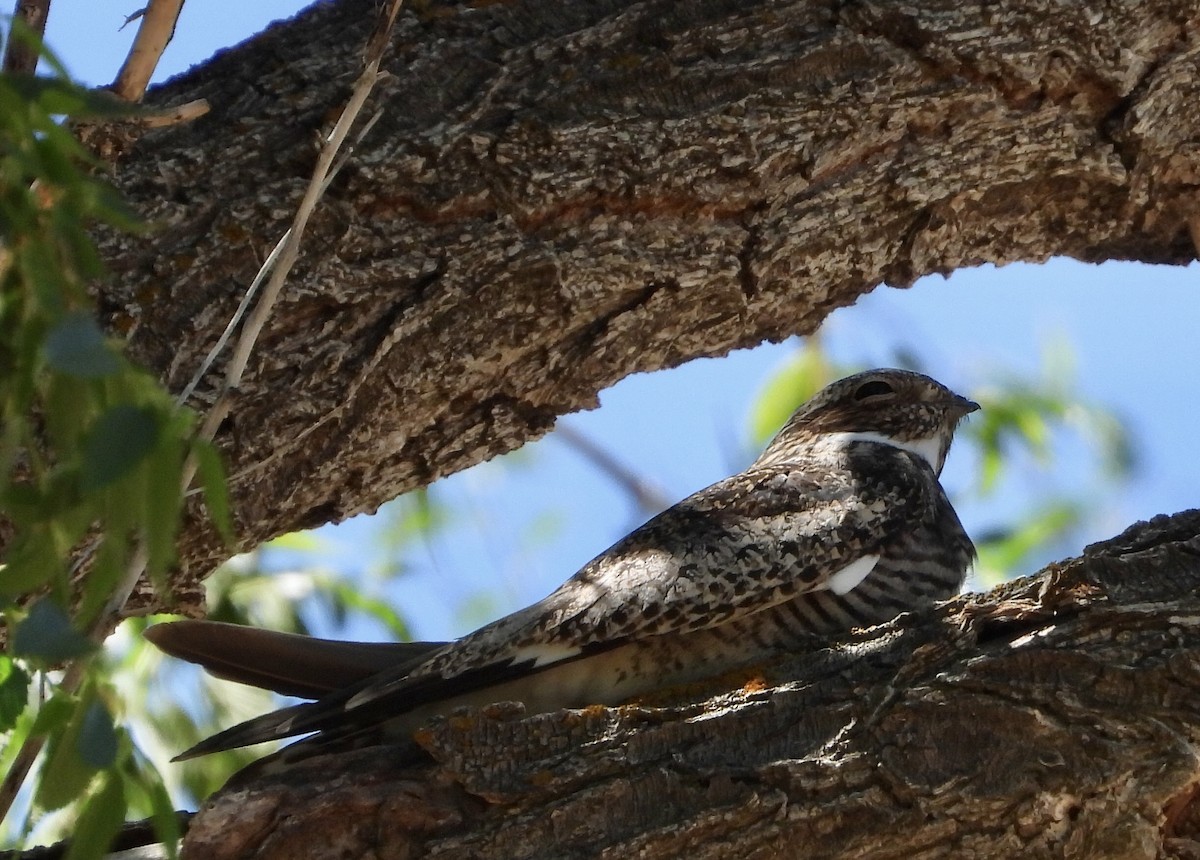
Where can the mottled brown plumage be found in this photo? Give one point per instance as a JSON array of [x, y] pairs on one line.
[[841, 522]]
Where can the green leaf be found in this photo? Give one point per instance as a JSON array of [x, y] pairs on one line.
[[101, 818], [162, 500], [97, 741], [216, 490], [31, 564], [59, 97], [76, 347], [109, 566], [296, 542], [46, 635], [14, 692], [65, 776], [118, 441], [801, 377], [347, 596], [144, 785]]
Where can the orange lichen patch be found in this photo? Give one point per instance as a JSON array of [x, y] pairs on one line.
[[755, 685], [234, 232], [121, 323], [403, 205], [180, 263]]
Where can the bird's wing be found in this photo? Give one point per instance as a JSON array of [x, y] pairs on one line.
[[285, 663], [738, 547]]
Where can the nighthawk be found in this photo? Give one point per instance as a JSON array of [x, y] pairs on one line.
[[841, 522]]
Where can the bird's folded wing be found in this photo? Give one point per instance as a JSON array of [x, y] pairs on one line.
[[743, 545]]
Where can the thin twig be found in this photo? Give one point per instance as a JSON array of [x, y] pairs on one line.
[[291, 245], [649, 497], [263, 270], [165, 117], [243, 305]]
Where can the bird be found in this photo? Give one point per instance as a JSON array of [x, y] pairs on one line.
[[840, 523]]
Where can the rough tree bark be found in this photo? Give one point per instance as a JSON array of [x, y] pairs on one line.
[[558, 194]]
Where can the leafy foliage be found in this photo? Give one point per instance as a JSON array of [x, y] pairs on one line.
[[92, 458]]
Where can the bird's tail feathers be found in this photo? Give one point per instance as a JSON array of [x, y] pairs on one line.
[[285, 663], [274, 726]]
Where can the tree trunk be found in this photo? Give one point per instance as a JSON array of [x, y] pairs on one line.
[[556, 195], [1056, 716]]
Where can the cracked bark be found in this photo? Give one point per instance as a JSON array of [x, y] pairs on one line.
[[557, 195], [1057, 716]]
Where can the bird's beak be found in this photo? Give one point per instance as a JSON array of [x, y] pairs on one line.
[[964, 407]]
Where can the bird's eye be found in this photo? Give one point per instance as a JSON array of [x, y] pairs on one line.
[[874, 388]]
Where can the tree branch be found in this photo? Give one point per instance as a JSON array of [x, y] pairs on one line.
[[557, 195], [20, 57], [156, 31], [1056, 716]]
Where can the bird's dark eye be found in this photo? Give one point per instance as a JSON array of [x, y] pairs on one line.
[[874, 388]]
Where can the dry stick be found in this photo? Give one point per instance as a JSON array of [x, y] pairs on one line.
[[219, 347], [174, 115], [243, 305], [19, 56], [291, 246], [154, 33], [237, 366], [648, 496]]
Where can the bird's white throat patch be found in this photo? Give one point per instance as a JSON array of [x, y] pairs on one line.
[[928, 449]]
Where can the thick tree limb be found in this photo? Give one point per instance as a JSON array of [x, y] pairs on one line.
[[1056, 716], [558, 194]]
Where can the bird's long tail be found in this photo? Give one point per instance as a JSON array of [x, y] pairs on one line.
[[286, 663]]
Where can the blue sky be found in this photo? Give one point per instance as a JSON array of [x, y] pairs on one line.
[[524, 524]]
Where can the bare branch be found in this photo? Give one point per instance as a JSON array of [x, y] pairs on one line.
[[648, 496], [154, 34], [20, 57]]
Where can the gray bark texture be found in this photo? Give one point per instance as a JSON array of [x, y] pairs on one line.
[[556, 195], [1057, 716]]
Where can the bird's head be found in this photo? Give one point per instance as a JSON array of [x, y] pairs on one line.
[[896, 407]]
